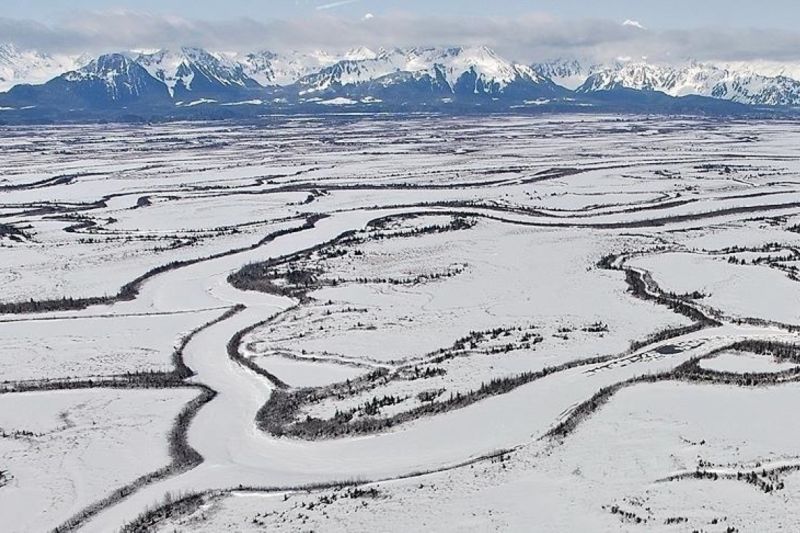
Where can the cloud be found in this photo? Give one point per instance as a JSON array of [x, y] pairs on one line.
[[633, 24], [529, 38], [334, 5]]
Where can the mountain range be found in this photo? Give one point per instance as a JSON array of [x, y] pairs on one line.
[[193, 81]]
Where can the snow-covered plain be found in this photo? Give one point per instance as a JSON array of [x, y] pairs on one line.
[[422, 292], [64, 450], [619, 460]]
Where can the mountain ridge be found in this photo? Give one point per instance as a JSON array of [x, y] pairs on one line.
[[396, 78]]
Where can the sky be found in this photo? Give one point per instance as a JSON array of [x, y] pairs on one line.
[[524, 30], [655, 13]]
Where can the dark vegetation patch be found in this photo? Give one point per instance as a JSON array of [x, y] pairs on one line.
[[295, 275], [13, 233], [235, 355], [279, 415]]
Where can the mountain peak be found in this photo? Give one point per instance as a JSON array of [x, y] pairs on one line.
[[108, 64], [21, 66], [361, 74], [360, 53], [196, 70], [696, 78]]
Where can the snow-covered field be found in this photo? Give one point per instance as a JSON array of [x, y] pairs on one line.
[[610, 476], [83, 347], [453, 324], [64, 450]]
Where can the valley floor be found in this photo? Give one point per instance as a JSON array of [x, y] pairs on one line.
[[566, 323]]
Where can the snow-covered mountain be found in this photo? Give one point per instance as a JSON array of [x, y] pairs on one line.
[[569, 73], [769, 69], [30, 66], [701, 79], [195, 71], [108, 80], [271, 69], [398, 77], [460, 71]]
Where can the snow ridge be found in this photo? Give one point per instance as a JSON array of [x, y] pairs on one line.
[[703, 79], [192, 74]]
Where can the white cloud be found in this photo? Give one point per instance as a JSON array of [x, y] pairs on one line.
[[528, 38], [633, 24], [333, 5]]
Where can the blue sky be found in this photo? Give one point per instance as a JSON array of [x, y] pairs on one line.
[[664, 14], [532, 30]]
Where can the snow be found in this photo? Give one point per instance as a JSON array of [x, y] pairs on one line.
[[633, 24], [450, 63], [737, 290], [90, 347], [246, 102], [174, 67], [199, 101], [569, 73], [270, 69], [299, 373], [745, 363], [20, 66], [617, 458], [81, 445], [751, 82], [734, 82], [669, 194], [338, 101], [169, 67]]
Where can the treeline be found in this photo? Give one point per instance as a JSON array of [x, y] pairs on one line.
[[183, 456], [131, 380], [638, 288], [235, 355], [44, 306], [677, 303], [130, 290], [169, 507], [182, 505], [600, 398], [13, 232], [259, 276], [279, 415], [415, 280], [764, 480], [780, 350], [666, 334], [298, 280], [128, 380], [457, 223], [688, 371]]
